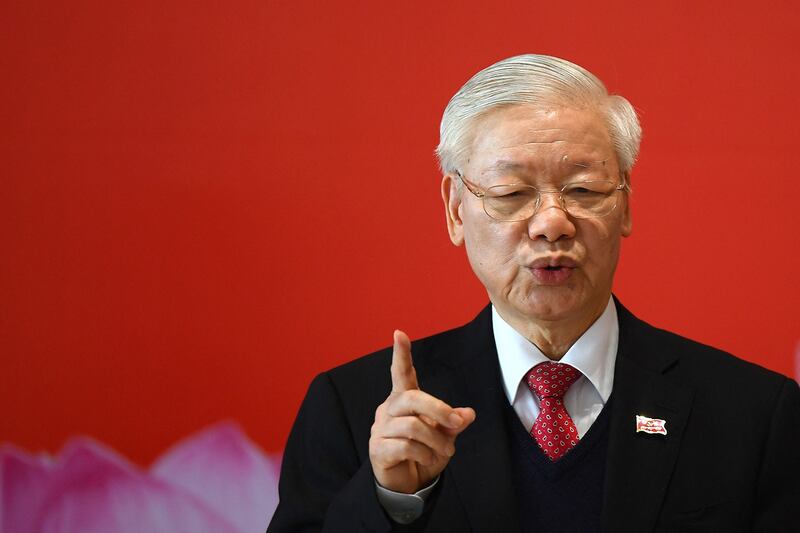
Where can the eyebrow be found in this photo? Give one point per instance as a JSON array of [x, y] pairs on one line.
[[507, 165], [583, 163]]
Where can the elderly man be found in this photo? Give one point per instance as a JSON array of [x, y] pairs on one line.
[[555, 409]]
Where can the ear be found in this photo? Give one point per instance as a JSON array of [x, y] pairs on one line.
[[451, 197], [627, 221]]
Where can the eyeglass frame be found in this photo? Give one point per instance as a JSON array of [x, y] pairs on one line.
[[480, 193]]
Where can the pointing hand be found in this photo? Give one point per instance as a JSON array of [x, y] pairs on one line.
[[413, 437]]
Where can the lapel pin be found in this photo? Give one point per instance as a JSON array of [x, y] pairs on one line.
[[651, 425]]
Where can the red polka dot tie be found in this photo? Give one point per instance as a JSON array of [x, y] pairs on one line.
[[554, 430]]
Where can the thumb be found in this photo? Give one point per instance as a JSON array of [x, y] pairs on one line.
[[468, 415]]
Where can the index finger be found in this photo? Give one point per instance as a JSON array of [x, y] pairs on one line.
[[404, 377]]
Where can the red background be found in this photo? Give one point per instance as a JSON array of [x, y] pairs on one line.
[[204, 204]]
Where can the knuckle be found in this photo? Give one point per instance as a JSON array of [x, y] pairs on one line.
[[442, 407], [374, 447], [408, 425], [417, 400], [403, 400], [405, 447], [385, 410]]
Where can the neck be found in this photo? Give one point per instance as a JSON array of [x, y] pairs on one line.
[[553, 337]]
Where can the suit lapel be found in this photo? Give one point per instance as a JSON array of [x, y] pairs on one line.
[[639, 465], [481, 468]]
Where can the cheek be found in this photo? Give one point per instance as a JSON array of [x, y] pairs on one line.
[[491, 248], [602, 244]]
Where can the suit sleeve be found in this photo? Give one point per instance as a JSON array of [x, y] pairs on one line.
[[324, 486], [778, 493]]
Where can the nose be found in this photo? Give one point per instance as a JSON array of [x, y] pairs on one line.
[[551, 222]]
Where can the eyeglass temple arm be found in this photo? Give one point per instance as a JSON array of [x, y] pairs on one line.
[[471, 187]]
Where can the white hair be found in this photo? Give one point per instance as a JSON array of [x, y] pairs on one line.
[[533, 80]]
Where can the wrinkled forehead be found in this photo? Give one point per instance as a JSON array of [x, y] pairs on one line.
[[523, 139], [560, 161]]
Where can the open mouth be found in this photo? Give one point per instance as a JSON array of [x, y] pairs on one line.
[[552, 274]]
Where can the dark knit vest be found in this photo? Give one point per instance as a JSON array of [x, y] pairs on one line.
[[564, 496]]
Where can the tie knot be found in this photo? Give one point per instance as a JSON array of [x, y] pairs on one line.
[[551, 380]]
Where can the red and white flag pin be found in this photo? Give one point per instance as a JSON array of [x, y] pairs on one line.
[[651, 425]]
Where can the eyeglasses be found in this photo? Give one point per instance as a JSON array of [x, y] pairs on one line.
[[517, 202]]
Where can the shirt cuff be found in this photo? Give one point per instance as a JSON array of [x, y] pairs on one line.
[[401, 507]]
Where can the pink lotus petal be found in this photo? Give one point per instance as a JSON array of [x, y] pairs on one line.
[[224, 469], [93, 490], [23, 487]]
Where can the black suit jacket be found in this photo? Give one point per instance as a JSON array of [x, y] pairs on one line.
[[730, 460]]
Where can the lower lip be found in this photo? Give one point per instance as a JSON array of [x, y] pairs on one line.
[[552, 276]]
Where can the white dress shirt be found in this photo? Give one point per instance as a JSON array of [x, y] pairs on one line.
[[594, 354]]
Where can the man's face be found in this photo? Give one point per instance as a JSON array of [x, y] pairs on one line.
[[551, 268]]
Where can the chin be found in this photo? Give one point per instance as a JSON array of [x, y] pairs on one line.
[[548, 305], [544, 313]]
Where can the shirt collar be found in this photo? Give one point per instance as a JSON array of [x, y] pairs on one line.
[[594, 353]]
